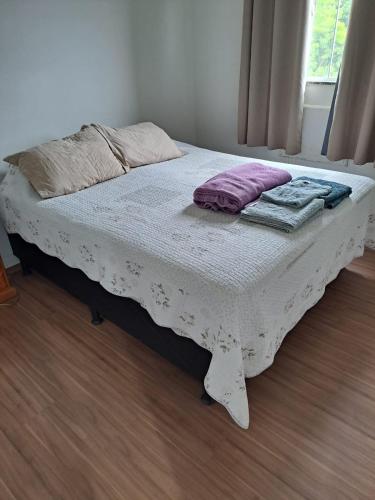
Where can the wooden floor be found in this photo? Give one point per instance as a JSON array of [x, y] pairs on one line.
[[89, 413]]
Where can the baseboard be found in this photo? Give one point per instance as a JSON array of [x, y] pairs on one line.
[[10, 261]]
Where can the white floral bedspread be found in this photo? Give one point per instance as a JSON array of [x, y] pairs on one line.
[[233, 287]]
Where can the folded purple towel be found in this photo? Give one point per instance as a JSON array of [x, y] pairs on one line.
[[231, 190]]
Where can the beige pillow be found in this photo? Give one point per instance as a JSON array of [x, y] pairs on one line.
[[140, 144], [68, 165]]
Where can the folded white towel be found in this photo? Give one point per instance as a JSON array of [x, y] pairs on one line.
[[281, 217]]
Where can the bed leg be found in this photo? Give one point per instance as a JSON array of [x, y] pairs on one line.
[[206, 399], [26, 269], [96, 319]]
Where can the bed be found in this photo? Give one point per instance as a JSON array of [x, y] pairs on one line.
[[222, 293]]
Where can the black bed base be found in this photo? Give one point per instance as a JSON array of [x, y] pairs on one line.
[[124, 312]]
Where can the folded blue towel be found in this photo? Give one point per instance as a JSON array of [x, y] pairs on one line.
[[279, 216], [296, 193], [336, 196]]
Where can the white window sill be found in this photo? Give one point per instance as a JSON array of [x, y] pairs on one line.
[[316, 106]]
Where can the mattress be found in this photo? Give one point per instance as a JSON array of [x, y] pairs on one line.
[[234, 287]]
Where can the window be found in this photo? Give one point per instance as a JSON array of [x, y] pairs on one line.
[[330, 24]]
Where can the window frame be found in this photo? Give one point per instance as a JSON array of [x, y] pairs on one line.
[[323, 79]]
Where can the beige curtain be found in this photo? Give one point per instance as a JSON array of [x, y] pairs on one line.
[[272, 78], [353, 128]]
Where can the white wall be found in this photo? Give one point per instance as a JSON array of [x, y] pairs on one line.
[[216, 48], [63, 63], [162, 38]]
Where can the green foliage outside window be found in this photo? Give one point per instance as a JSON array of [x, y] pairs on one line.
[[330, 25]]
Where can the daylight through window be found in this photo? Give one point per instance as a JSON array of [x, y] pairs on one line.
[[330, 24]]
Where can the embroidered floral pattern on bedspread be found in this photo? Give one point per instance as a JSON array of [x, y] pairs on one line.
[[195, 271]]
